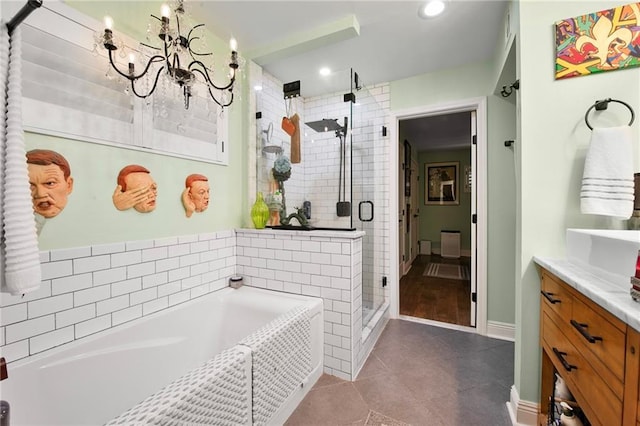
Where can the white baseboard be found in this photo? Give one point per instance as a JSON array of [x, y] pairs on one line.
[[501, 330], [406, 267], [522, 413]]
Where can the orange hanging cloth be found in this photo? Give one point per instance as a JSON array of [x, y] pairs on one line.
[[296, 152]]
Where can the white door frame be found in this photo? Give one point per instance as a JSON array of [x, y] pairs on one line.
[[480, 106]]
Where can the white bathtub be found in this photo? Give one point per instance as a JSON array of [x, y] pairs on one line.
[[94, 379]]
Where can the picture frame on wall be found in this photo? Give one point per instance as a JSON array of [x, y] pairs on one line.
[[442, 183]]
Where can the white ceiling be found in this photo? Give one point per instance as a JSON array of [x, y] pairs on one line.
[[393, 43]]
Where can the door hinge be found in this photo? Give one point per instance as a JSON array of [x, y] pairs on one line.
[[474, 139], [474, 218], [384, 281], [474, 297]]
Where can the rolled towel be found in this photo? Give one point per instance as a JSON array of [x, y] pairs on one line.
[[20, 243], [607, 181]]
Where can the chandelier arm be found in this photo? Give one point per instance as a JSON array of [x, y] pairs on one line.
[[193, 52], [149, 46], [153, 59], [211, 93], [178, 23], [190, 31], [155, 83], [208, 79], [129, 77]]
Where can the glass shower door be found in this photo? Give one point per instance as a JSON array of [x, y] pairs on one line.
[[369, 167]]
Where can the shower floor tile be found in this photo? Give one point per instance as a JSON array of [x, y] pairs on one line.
[[418, 375]]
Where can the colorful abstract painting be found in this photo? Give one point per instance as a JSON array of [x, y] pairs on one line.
[[601, 41]]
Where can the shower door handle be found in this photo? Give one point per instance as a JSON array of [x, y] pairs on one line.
[[360, 211]]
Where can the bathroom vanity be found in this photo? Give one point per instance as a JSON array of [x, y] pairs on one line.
[[594, 351], [590, 327]]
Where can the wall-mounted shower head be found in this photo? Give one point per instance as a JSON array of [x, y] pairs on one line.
[[267, 148], [325, 125]]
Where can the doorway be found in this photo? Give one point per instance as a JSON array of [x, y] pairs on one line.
[[464, 295]]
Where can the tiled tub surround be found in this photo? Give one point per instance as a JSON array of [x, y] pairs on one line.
[[201, 373], [89, 289], [326, 264]]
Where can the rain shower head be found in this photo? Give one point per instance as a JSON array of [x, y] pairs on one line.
[[325, 125]]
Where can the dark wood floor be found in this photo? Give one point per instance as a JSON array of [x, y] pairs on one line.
[[437, 299]]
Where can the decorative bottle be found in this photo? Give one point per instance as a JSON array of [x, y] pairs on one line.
[[568, 417], [260, 212]]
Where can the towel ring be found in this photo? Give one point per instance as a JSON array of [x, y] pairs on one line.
[[602, 105]]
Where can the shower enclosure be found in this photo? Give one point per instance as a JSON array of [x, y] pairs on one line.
[[340, 180]]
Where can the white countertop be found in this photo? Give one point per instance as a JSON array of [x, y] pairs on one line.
[[611, 297], [349, 235]]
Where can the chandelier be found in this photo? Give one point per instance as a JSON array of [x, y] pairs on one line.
[[178, 58]]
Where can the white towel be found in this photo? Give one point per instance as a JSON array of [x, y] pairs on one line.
[[607, 181], [4, 73], [18, 238]]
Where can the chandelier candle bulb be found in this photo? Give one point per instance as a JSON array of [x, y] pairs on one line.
[[165, 11], [132, 61], [108, 23], [233, 45]]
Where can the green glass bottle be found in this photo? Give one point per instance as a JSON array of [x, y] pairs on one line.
[[260, 212]]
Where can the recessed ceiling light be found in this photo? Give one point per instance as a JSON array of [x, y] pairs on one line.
[[257, 87], [325, 71], [431, 8]]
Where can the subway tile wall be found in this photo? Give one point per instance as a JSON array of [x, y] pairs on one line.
[[316, 178], [89, 289], [323, 264]]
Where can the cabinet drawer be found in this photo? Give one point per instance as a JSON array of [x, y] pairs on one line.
[[598, 401], [556, 298], [604, 341]]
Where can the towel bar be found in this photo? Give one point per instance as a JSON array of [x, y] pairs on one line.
[[602, 105]]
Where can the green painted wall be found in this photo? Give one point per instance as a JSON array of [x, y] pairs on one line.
[[501, 209], [440, 87], [554, 140], [90, 217], [433, 219]]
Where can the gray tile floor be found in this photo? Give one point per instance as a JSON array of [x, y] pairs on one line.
[[420, 375]]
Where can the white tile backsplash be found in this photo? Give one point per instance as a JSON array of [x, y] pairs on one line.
[[14, 313], [71, 283], [126, 315], [56, 269], [292, 271], [89, 289], [92, 326], [76, 315], [91, 263], [50, 305], [49, 340], [29, 328]]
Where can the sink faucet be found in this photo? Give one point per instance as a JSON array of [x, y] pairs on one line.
[[298, 215]]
